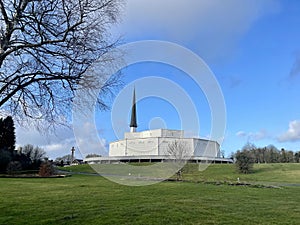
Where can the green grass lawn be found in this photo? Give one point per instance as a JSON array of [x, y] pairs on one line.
[[277, 173], [83, 199]]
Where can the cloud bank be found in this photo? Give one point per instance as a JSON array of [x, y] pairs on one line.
[[61, 143], [253, 136], [209, 27]]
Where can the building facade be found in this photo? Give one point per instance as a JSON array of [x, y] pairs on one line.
[[163, 142], [159, 145]]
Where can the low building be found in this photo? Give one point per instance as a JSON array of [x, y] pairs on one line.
[[162, 142], [159, 145]]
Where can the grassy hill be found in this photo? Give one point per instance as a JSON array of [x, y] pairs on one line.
[[263, 173], [84, 199], [277, 173]]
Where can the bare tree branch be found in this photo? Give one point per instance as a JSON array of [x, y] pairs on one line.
[[4, 13], [47, 47], [178, 151]]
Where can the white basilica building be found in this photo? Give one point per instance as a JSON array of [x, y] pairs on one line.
[[159, 145]]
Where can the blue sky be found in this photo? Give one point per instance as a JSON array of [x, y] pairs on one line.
[[251, 46]]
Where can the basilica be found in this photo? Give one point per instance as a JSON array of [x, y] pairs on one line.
[[159, 145]]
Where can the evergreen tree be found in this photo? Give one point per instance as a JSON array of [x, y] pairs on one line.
[[7, 136], [244, 161], [7, 141], [5, 159], [297, 157], [1, 133]]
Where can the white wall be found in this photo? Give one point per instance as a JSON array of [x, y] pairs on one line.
[[154, 133], [206, 148], [117, 148], [186, 143], [172, 133], [142, 146], [156, 142]]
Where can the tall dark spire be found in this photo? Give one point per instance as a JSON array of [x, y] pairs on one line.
[[133, 123]]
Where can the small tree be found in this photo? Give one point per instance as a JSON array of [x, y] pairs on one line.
[[244, 161], [283, 156], [35, 154], [46, 169], [297, 157], [178, 151]]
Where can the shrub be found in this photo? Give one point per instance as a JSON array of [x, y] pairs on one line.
[[14, 167], [244, 161], [46, 169], [5, 158]]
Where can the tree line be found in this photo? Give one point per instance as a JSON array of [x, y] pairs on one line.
[[271, 154], [251, 154]]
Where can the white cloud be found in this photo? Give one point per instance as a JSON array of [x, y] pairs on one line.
[[61, 143], [292, 134], [262, 134], [55, 145], [88, 139], [213, 26], [241, 134], [253, 136], [60, 148]]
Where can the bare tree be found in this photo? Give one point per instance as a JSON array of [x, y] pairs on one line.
[[35, 154], [178, 151], [47, 51]]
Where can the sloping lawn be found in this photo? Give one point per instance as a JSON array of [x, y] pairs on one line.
[[83, 199]]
